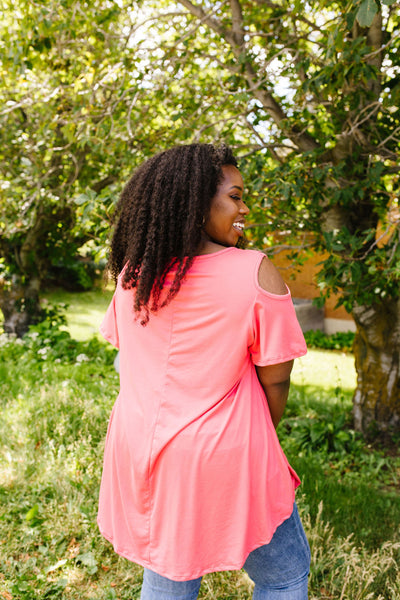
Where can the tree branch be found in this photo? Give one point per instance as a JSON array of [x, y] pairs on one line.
[[198, 133], [361, 118], [382, 48], [298, 17], [100, 185], [374, 39], [214, 24], [237, 22], [302, 140], [391, 136]]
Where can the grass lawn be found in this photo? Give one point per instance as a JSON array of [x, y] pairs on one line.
[[325, 370], [56, 395], [85, 310]]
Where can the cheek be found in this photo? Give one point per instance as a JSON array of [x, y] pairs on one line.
[[215, 216], [217, 223], [221, 211]]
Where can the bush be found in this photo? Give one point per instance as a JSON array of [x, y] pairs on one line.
[[323, 432], [48, 340], [342, 340], [77, 274]]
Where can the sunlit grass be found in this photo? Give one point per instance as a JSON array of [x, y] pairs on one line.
[[85, 310], [325, 370]]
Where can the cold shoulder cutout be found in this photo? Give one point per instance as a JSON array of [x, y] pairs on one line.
[[269, 278]]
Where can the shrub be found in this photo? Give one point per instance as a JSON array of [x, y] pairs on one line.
[[48, 340], [337, 341], [323, 432]]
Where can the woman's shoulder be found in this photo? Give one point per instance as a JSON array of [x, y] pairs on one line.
[[246, 269], [266, 275], [249, 255]]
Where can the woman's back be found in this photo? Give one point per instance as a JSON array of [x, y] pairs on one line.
[[192, 421]]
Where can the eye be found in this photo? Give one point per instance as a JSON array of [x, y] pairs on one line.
[[235, 197]]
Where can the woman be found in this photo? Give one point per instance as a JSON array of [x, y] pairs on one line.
[[194, 479]]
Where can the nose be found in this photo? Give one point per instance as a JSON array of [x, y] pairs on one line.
[[244, 209]]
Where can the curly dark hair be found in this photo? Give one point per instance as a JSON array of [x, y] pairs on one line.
[[159, 220]]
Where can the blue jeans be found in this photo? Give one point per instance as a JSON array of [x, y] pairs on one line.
[[279, 569]]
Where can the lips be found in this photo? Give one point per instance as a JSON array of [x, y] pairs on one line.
[[239, 226]]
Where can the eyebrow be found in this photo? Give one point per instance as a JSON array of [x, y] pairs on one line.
[[237, 187]]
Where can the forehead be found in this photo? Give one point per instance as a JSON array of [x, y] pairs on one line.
[[231, 177]]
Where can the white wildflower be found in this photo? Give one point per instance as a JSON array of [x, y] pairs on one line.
[[81, 358]]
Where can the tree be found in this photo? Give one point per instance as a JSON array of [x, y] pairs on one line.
[[56, 93], [81, 107], [316, 84], [310, 90]]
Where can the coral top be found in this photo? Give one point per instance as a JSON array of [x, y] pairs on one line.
[[194, 477]]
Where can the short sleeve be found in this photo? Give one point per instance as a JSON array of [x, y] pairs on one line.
[[108, 327], [276, 336]]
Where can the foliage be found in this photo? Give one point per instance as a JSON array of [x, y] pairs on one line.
[[81, 108], [61, 71], [316, 88], [49, 340], [314, 93], [66, 140], [336, 464], [59, 78], [307, 92], [76, 274], [55, 406], [320, 432], [342, 340], [319, 99]]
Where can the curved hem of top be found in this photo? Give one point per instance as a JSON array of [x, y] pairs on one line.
[[197, 574], [301, 351]]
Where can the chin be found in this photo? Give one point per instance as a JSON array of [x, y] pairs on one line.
[[242, 242]]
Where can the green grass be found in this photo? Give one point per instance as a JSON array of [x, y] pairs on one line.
[[358, 487], [325, 370], [55, 399], [85, 310]]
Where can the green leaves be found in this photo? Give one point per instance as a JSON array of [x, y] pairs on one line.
[[64, 130], [101, 96], [87, 560], [337, 341], [368, 9], [32, 513], [366, 13]]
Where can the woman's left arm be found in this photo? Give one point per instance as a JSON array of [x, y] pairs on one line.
[[275, 381]]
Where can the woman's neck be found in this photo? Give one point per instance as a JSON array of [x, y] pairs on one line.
[[209, 247]]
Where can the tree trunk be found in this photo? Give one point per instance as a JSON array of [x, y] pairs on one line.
[[20, 305], [377, 358]]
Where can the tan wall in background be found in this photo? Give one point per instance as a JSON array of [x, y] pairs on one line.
[[303, 285]]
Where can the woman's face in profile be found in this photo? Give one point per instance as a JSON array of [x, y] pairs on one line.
[[226, 219]]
